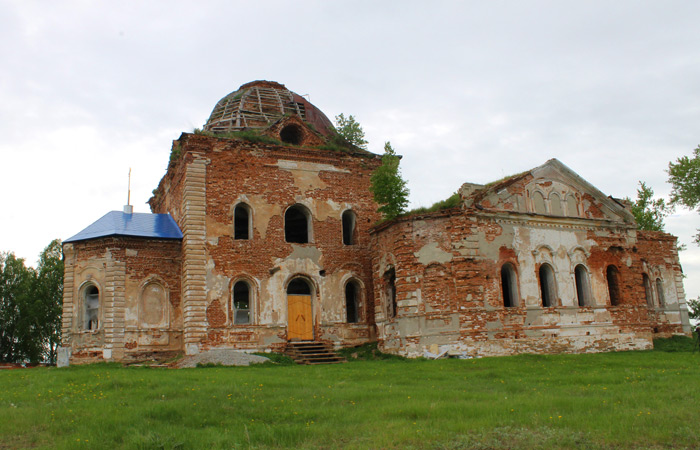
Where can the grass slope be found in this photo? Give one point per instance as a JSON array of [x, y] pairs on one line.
[[614, 400]]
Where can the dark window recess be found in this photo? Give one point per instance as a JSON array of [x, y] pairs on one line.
[[647, 290], [390, 286], [241, 303], [292, 134], [241, 222], [660, 292], [613, 276], [509, 286], [298, 286], [296, 225], [351, 302], [582, 288], [348, 227], [548, 286], [92, 308]]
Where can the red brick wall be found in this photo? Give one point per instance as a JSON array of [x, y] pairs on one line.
[[459, 303], [238, 168], [144, 259]]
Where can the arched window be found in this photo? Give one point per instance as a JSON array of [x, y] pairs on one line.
[[509, 286], [571, 206], [613, 278], [91, 308], [352, 301], [348, 219], [660, 292], [292, 134], [548, 286], [555, 204], [297, 225], [390, 292], [538, 200], [241, 221], [583, 287], [153, 311], [241, 303], [648, 294]]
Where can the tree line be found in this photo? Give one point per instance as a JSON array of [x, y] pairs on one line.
[[30, 306]]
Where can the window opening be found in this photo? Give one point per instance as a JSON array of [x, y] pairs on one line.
[[91, 320], [241, 222], [296, 225], [660, 292], [352, 292], [241, 303], [583, 289], [509, 286], [298, 286], [390, 292], [555, 204], [538, 200], [348, 227], [548, 286], [571, 206], [292, 134], [613, 285], [648, 293]]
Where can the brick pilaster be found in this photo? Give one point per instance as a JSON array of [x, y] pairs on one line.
[[194, 254]]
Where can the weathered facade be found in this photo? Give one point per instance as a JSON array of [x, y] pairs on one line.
[[539, 262], [271, 240]]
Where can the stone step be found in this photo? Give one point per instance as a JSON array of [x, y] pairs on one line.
[[311, 352]]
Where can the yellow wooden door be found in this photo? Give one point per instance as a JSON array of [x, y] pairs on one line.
[[299, 322]]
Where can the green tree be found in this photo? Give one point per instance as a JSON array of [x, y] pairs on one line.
[[388, 187], [694, 308], [350, 130], [16, 282], [649, 212], [684, 176], [48, 299], [30, 306]]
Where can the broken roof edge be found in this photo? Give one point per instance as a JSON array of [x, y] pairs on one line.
[[411, 216], [474, 194], [268, 140], [118, 223]]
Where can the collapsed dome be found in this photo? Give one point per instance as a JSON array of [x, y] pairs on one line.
[[259, 104]]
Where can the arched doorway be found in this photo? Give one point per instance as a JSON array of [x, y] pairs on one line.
[[300, 326]]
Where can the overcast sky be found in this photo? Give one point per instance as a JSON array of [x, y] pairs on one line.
[[466, 91]]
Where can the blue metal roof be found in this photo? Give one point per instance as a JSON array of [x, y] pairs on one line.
[[117, 223]]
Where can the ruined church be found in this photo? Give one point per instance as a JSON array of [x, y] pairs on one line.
[[263, 232]]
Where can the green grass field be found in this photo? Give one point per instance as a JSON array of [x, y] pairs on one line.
[[614, 400]]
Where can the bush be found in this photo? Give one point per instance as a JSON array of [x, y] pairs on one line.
[[367, 352], [450, 202], [276, 358], [676, 344]]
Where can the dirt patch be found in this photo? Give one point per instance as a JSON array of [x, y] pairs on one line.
[[225, 357]]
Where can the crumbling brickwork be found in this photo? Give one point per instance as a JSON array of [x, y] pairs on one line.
[[268, 179], [471, 280], [274, 238], [120, 268]]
